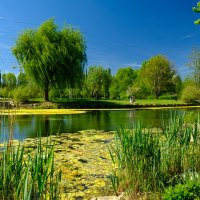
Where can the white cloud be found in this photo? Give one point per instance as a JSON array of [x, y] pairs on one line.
[[184, 37], [134, 65]]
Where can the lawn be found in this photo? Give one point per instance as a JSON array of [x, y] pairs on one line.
[[103, 104]]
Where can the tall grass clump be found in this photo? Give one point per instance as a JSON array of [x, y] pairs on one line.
[[28, 175], [147, 161]]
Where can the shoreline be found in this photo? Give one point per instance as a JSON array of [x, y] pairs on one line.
[[64, 111], [84, 159]]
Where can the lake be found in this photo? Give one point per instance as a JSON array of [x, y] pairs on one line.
[[30, 126]]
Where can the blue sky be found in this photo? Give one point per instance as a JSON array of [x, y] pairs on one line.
[[119, 33]]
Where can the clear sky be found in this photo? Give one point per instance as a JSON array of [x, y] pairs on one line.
[[119, 33]]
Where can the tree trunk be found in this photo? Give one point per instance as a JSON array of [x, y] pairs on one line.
[[46, 94]]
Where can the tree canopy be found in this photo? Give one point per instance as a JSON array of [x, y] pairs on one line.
[[52, 57], [157, 74], [9, 80], [194, 64], [121, 83], [98, 81]]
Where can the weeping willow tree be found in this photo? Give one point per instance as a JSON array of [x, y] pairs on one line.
[[52, 57]]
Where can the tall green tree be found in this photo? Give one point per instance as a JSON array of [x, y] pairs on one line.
[[122, 81], [157, 73], [9, 80], [51, 56], [194, 64], [97, 82], [106, 83]]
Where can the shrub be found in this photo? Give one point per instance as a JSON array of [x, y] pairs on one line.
[[54, 93], [22, 94], [190, 94], [6, 93], [188, 191], [169, 96]]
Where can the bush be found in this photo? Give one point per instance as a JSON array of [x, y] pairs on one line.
[[190, 94], [188, 191], [6, 93], [54, 93], [169, 96], [22, 94]]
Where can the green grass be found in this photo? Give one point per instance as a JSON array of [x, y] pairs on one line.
[[148, 161], [101, 104]]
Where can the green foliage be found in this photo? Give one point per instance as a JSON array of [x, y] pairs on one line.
[[197, 9], [157, 74], [97, 82], [190, 94], [6, 93], [9, 80], [125, 78], [51, 56], [187, 191], [31, 176], [21, 79], [148, 160], [54, 93], [169, 96], [191, 117], [194, 64], [24, 93], [114, 89]]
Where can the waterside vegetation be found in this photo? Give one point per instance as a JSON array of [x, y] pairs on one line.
[[26, 175], [147, 162]]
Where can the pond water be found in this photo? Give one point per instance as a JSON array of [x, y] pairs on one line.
[[29, 126]]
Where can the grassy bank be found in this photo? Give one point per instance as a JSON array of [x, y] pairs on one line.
[[101, 104]]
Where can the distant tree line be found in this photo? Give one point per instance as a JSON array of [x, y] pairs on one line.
[[157, 78], [52, 65]]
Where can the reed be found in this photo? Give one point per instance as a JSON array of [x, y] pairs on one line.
[[29, 176], [146, 160]]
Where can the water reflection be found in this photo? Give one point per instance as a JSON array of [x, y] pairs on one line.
[[33, 125]]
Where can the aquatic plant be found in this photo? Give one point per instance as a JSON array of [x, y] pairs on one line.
[[28, 176], [146, 160]]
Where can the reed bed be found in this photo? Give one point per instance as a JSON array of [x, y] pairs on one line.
[[26, 176], [147, 161]]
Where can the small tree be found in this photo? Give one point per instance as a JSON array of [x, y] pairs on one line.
[[9, 80], [98, 82], [190, 94], [157, 73]]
